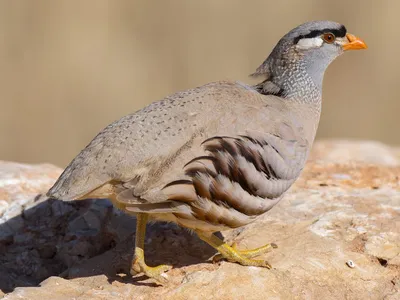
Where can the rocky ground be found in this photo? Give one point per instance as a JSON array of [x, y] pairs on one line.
[[337, 231]]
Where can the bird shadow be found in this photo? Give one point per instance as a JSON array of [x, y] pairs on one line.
[[85, 238]]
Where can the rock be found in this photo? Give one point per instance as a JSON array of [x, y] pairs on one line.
[[347, 151], [21, 181], [47, 251], [384, 246], [78, 225], [61, 208], [92, 220], [6, 234], [345, 207], [40, 237], [37, 209], [50, 288]]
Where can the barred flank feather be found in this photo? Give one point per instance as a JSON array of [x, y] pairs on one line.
[[240, 178]]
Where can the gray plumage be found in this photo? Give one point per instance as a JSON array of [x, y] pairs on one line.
[[216, 156]]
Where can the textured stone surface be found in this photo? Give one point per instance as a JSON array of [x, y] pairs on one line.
[[345, 206]]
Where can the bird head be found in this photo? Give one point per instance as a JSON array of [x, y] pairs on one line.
[[318, 42], [307, 50]]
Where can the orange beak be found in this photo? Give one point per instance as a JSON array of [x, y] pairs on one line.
[[354, 43]]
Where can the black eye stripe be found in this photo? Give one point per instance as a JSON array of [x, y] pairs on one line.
[[341, 32]]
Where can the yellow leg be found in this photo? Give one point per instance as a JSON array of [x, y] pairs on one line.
[[233, 255], [138, 264]]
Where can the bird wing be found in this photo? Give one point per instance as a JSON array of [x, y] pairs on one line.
[[134, 148]]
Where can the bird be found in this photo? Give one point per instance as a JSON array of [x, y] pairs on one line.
[[217, 156]]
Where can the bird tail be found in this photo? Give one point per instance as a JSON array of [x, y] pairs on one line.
[[131, 203], [155, 208]]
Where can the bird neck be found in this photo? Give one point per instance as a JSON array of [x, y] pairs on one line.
[[296, 85], [302, 87], [300, 82]]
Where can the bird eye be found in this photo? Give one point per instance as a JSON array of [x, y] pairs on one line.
[[329, 37]]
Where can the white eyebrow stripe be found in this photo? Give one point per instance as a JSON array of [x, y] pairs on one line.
[[307, 43]]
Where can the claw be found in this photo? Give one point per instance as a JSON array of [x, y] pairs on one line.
[[157, 273], [232, 254], [246, 253]]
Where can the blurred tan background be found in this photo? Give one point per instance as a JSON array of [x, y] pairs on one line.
[[68, 68]]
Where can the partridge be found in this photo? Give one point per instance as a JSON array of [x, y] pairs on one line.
[[214, 157]]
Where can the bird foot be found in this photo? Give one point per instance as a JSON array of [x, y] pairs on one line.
[[244, 257], [157, 273]]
